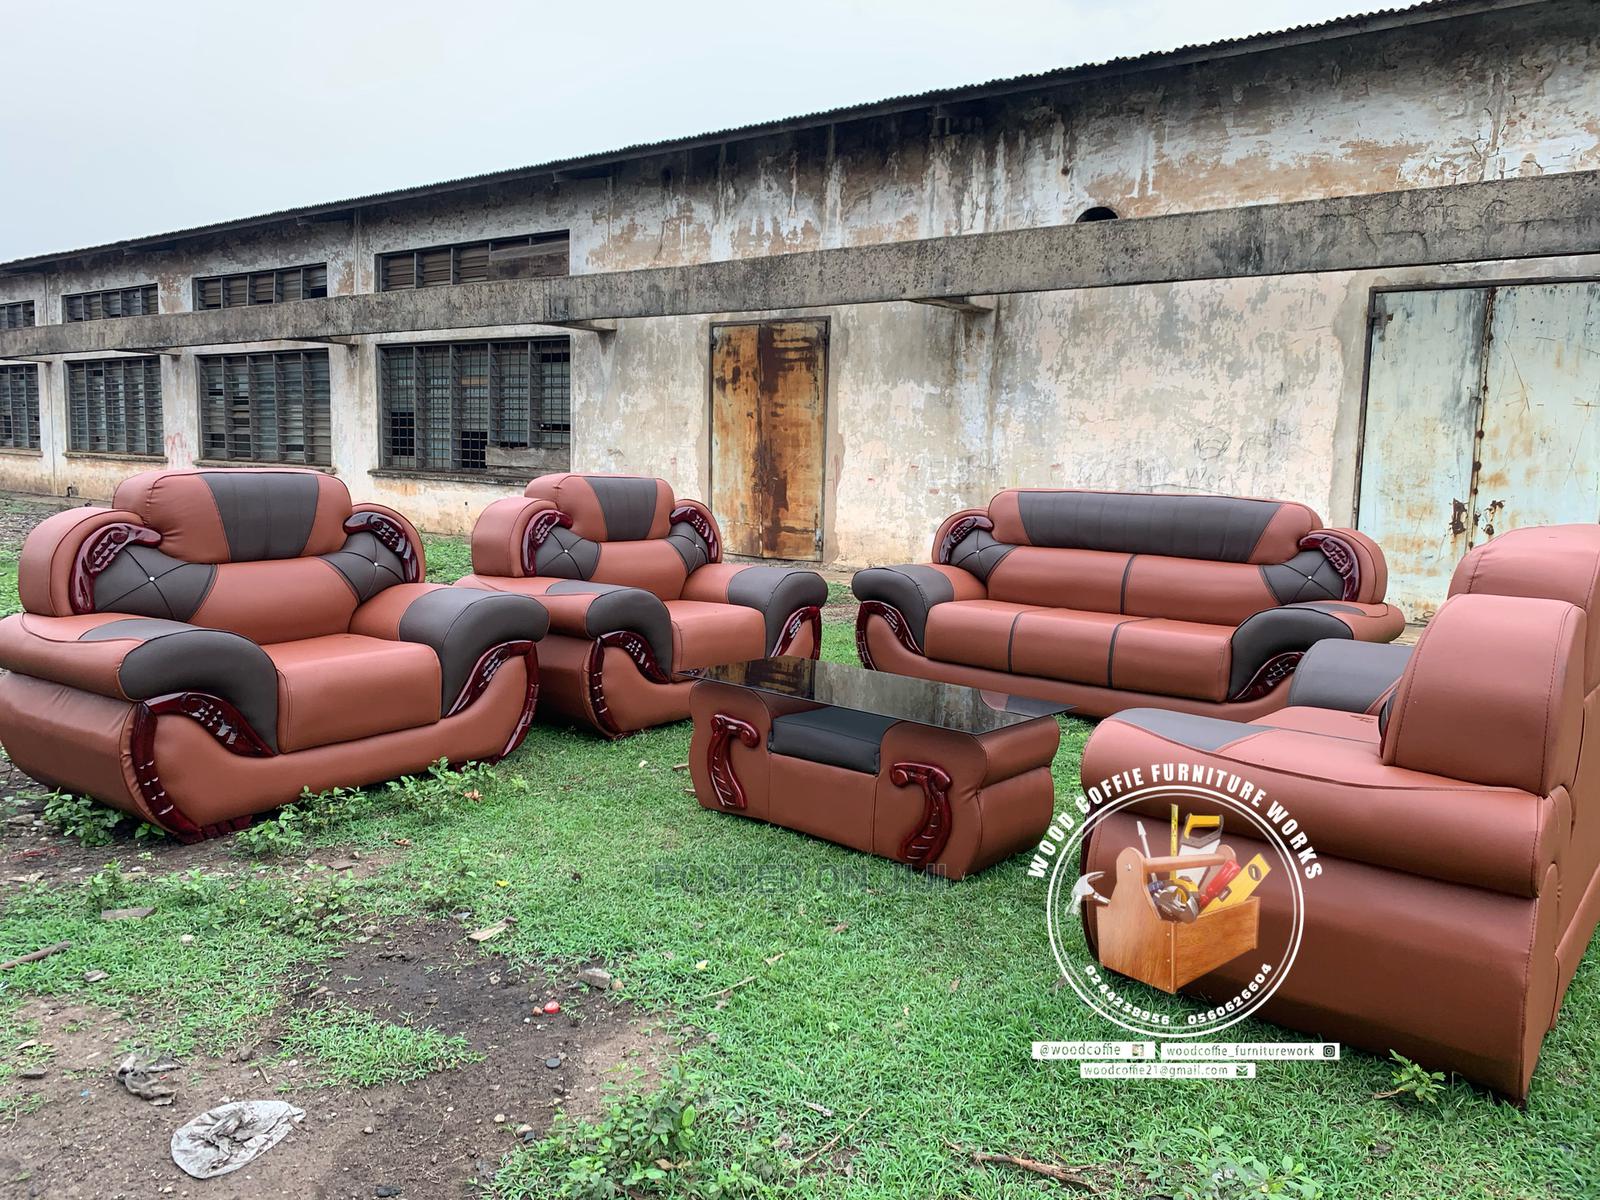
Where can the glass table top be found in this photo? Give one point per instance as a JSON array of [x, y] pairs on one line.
[[900, 697]]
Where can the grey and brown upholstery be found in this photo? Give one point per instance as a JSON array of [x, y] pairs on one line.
[[217, 641], [638, 595], [1452, 795], [1104, 600]]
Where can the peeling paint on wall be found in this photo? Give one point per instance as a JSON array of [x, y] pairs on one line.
[[1248, 386]]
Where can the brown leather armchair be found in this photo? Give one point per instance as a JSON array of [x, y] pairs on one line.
[[638, 595], [218, 641], [1105, 600], [1453, 797]]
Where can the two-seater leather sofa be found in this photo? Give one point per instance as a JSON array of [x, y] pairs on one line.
[[638, 595], [1106, 600], [1452, 795], [218, 641]]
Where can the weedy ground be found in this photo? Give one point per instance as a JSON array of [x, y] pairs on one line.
[[837, 1025]]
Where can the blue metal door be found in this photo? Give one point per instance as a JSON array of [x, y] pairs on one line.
[[1481, 416]]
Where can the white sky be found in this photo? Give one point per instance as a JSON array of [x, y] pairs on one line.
[[129, 117]]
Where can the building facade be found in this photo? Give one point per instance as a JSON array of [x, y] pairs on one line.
[[844, 435]]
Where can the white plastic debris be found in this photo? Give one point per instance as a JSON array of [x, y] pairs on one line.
[[227, 1137]]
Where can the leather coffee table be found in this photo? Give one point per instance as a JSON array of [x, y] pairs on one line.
[[944, 778]]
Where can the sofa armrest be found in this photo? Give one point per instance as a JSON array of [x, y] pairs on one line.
[[63, 553], [462, 625], [506, 536], [146, 658], [580, 609], [1266, 647], [777, 593], [1366, 622], [1348, 676], [915, 588]]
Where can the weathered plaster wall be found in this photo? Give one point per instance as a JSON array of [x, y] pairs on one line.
[[1248, 385]]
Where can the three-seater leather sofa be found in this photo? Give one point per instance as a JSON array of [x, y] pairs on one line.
[[1107, 600], [638, 595], [1452, 795], [218, 641]]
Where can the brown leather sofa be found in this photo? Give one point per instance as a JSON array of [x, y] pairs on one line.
[[217, 641], [1453, 798], [638, 595], [1105, 600]]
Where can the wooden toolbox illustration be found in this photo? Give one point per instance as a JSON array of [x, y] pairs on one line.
[[1137, 941]]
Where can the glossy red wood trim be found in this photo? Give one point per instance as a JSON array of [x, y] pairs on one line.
[[218, 718], [392, 535], [925, 843], [538, 529], [799, 619], [897, 626], [725, 784], [1341, 556], [1271, 673], [698, 522], [484, 671], [958, 531], [97, 552], [636, 648]]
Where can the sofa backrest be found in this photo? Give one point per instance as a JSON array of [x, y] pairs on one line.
[[1214, 559], [624, 529], [1558, 562], [1493, 694], [274, 554]]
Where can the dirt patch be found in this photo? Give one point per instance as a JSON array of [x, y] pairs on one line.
[[19, 514], [32, 851], [80, 1135]]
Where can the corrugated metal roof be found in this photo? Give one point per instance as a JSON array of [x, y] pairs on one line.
[[1428, 10]]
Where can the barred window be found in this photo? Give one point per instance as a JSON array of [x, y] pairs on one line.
[[114, 406], [469, 406], [16, 314], [116, 302], [534, 256], [262, 287], [266, 407], [19, 407]]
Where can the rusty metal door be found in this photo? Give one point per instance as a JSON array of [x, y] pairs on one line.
[[1539, 457], [1480, 417], [768, 421], [1423, 383]]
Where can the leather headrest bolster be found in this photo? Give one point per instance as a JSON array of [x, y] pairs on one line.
[[1219, 528], [241, 514], [609, 508]]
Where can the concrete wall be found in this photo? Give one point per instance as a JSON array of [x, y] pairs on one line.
[[1248, 386]]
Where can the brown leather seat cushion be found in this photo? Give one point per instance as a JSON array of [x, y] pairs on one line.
[[1329, 722], [1173, 658], [1066, 643], [979, 633], [1143, 654], [343, 687], [1361, 809], [707, 635]]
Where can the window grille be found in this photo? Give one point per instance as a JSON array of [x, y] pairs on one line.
[[272, 407], [114, 406], [446, 405]]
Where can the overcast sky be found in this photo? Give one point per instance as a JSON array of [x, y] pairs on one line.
[[142, 116]]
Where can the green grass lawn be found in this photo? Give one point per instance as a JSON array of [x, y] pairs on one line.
[[903, 1007]]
